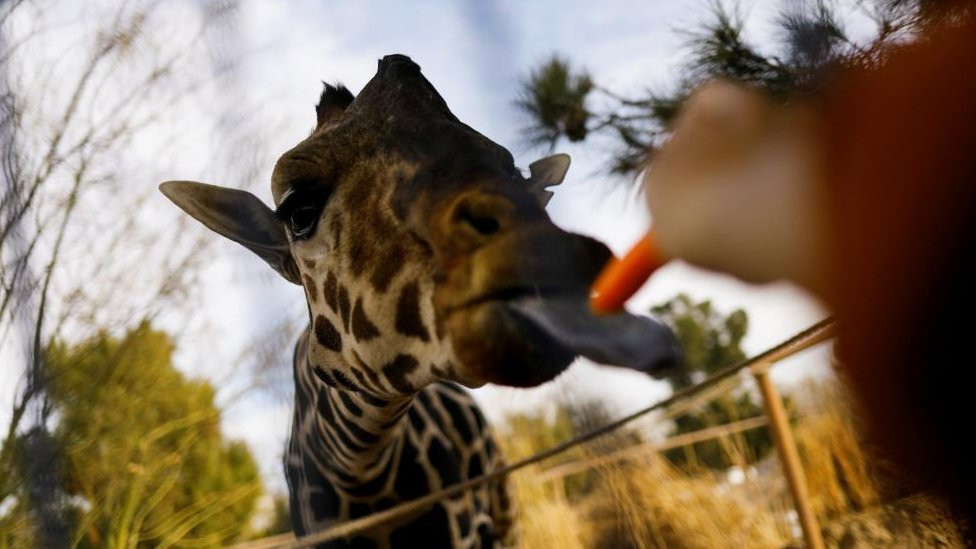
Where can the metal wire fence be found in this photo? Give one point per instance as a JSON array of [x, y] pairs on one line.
[[775, 417]]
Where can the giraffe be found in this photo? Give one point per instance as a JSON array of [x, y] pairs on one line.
[[411, 234]]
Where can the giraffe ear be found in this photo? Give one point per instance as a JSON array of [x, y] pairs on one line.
[[239, 216], [547, 172]]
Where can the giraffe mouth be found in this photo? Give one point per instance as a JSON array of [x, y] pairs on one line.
[[535, 331], [511, 294], [546, 325], [564, 315], [494, 344], [517, 312]]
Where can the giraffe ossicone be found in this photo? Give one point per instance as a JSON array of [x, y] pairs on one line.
[[411, 234]]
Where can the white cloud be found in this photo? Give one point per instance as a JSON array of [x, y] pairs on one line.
[[627, 45], [286, 49]]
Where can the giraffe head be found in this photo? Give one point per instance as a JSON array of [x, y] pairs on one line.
[[411, 234]]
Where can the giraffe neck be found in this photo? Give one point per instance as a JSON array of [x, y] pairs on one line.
[[352, 436], [352, 454], [359, 433]]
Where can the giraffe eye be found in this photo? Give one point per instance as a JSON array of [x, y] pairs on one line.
[[302, 220], [300, 211]]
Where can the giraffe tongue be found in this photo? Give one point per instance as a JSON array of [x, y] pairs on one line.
[[620, 339]]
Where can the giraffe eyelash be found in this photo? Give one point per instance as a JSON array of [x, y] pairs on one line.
[[300, 210], [303, 190], [288, 204]]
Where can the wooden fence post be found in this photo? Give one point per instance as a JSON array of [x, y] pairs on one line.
[[788, 455]]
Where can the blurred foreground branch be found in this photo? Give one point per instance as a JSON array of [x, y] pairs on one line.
[[560, 101], [87, 94]]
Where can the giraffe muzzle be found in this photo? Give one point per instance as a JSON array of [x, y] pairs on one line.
[[517, 311]]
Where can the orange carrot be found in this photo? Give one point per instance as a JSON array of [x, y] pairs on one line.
[[621, 278]]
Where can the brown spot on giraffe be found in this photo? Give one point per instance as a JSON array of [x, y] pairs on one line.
[[344, 381], [327, 335], [363, 328], [408, 320], [385, 269], [344, 307], [372, 376], [324, 375], [336, 229], [398, 369], [313, 293], [330, 289]]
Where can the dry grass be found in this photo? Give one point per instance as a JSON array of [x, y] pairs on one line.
[[546, 516], [651, 504], [645, 502], [841, 474], [838, 472]]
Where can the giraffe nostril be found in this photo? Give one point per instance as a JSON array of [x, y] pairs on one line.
[[485, 225], [482, 215]]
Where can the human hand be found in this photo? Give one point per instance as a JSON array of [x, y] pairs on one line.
[[738, 187]]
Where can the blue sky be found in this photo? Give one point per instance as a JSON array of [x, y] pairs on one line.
[[474, 53]]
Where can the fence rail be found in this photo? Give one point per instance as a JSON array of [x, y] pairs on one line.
[[758, 365], [645, 448]]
